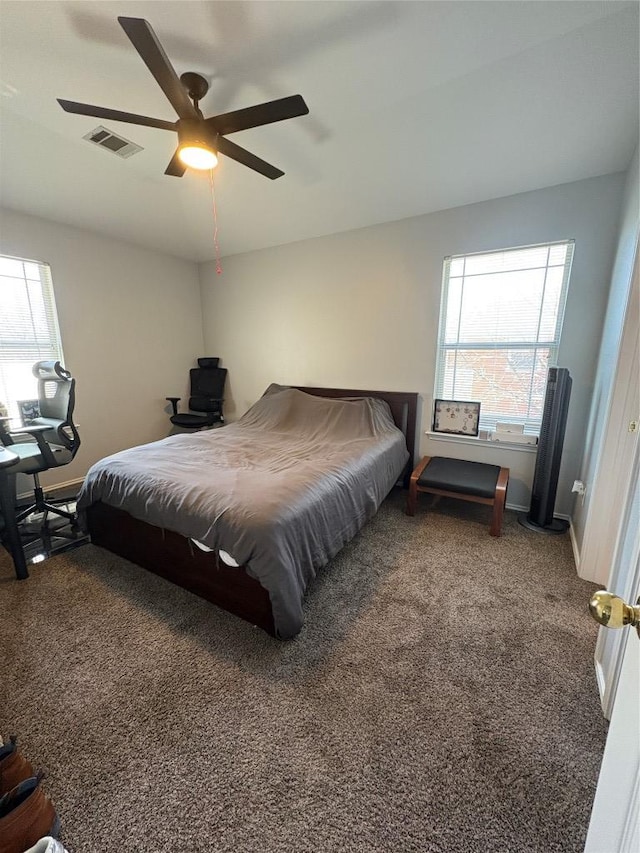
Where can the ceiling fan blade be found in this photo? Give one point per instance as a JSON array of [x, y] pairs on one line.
[[261, 114], [146, 43], [114, 115], [176, 167], [230, 149]]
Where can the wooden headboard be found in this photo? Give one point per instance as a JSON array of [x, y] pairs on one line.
[[403, 405]]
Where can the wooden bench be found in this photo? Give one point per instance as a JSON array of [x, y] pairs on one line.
[[467, 481]]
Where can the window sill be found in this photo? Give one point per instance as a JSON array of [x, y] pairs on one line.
[[482, 442]]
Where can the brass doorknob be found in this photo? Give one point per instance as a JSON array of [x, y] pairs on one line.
[[613, 612]]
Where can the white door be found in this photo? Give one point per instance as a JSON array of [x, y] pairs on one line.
[[615, 819], [604, 558], [624, 581]]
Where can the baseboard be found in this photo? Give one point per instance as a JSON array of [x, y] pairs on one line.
[[574, 546], [52, 489], [77, 482], [600, 679], [518, 508]]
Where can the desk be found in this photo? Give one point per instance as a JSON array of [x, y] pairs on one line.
[[11, 534]]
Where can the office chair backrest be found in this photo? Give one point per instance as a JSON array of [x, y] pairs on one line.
[[56, 399], [207, 385]]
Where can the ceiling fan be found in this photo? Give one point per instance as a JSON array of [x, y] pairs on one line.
[[200, 139]]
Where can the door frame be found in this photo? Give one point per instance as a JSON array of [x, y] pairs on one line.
[[611, 474], [609, 554]]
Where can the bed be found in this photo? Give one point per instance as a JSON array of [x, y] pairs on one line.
[[245, 515]]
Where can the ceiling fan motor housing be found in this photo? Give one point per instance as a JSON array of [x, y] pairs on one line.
[[195, 84], [193, 130]]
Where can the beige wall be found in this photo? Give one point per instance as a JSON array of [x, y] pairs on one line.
[[357, 309], [360, 309], [130, 325]]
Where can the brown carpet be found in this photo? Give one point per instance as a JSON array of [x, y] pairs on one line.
[[441, 697]]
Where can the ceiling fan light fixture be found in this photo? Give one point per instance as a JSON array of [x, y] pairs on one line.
[[196, 155]]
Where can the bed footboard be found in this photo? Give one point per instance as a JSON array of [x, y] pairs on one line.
[[175, 558]]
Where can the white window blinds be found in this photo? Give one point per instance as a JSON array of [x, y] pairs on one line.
[[500, 323], [28, 328]]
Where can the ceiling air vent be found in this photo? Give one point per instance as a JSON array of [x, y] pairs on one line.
[[112, 142]]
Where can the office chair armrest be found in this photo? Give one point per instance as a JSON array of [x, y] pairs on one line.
[[37, 432], [174, 403], [31, 429]]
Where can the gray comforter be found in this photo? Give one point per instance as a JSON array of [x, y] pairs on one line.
[[281, 490]]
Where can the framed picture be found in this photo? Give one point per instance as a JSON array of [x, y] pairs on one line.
[[456, 416], [29, 409]]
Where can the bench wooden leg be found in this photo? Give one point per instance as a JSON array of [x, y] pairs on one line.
[[412, 496], [498, 502]]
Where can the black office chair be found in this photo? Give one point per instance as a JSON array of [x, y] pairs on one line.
[[207, 389], [56, 437]]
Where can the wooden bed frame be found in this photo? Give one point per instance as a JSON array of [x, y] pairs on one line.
[[176, 558]]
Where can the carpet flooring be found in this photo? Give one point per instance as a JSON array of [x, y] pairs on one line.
[[440, 698]]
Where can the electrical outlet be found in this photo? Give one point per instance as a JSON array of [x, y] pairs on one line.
[[580, 488]]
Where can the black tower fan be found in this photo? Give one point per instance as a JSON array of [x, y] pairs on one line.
[[545, 480]]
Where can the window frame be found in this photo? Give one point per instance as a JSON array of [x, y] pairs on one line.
[[53, 349], [552, 346]]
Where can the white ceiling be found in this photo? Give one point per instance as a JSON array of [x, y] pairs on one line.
[[414, 107]]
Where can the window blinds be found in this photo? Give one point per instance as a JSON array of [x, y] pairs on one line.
[[28, 327], [500, 323]]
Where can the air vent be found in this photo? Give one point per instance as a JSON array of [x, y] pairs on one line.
[[112, 142]]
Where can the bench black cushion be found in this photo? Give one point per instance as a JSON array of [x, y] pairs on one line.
[[457, 475]]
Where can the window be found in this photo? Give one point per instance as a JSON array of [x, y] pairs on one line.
[[500, 322], [28, 328]]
